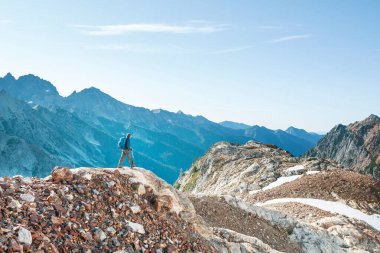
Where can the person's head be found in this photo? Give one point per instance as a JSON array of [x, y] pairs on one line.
[[129, 135]]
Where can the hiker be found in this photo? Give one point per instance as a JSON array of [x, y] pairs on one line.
[[126, 150]]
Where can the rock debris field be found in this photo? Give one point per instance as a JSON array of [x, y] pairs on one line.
[[359, 191], [94, 212]]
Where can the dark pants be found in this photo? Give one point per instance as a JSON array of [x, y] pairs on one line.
[[128, 153]]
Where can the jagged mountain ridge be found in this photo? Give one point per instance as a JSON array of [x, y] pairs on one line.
[[297, 141], [356, 146], [162, 140], [288, 141]]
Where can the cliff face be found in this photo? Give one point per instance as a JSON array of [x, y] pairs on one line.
[[356, 146]]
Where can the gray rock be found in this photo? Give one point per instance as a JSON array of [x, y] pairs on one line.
[[135, 209], [27, 197], [100, 235], [24, 236], [14, 204], [136, 227]]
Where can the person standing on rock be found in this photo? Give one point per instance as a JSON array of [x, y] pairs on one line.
[[126, 150]]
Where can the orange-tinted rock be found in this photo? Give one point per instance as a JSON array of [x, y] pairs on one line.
[[61, 173]]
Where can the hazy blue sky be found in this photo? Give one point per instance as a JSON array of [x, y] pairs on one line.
[[311, 64]]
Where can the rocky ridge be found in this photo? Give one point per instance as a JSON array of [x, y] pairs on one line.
[[355, 146], [234, 169], [321, 206], [108, 210]]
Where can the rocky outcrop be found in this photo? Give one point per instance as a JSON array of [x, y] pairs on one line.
[[356, 146], [239, 169], [309, 204]]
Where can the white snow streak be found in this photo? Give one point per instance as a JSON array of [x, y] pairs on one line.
[[332, 206], [280, 181]]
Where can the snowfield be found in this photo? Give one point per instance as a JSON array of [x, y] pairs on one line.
[[332, 206], [280, 181]]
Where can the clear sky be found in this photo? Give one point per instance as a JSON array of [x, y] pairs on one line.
[[310, 64]]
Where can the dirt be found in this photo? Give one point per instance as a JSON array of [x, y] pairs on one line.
[[359, 191], [217, 213], [301, 211]]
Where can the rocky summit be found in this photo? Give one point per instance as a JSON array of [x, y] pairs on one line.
[[263, 194], [356, 146]]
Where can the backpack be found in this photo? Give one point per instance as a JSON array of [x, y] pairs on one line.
[[121, 143]]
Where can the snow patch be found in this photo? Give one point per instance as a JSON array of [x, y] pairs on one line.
[[331, 206], [30, 102], [280, 181], [296, 168], [156, 111]]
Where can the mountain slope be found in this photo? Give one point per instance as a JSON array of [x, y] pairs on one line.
[[356, 146], [262, 191], [301, 133], [39, 139], [95, 106], [164, 141]]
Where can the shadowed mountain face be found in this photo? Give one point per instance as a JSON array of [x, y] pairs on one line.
[[356, 146], [83, 128], [311, 137], [34, 139]]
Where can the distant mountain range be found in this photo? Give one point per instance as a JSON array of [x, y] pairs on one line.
[[294, 140], [234, 125], [40, 129]]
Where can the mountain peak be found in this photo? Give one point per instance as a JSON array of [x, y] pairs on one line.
[[373, 117], [9, 77], [91, 90]]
